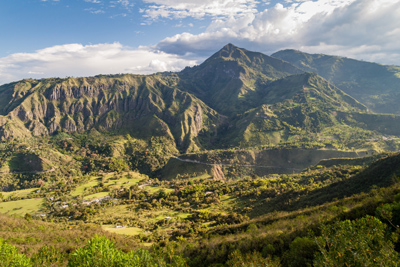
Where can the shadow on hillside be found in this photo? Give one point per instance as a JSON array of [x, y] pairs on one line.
[[382, 173]]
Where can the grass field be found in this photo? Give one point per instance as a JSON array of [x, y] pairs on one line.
[[21, 207], [123, 230], [20, 193], [110, 180]]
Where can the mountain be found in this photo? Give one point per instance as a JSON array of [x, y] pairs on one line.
[[141, 105], [229, 80], [297, 105], [236, 99], [377, 86]]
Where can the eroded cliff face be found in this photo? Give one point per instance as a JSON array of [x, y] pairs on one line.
[[142, 105]]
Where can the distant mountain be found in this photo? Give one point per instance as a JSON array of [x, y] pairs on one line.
[[377, 86]]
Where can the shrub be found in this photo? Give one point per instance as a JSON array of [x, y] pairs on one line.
[[48, 256], [101, 252], [301, 252], [255, 259], [9, 256]]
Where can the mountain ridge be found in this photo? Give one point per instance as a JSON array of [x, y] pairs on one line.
[[236, 98], [375, 85]]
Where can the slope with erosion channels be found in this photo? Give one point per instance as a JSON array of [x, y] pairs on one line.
[[377, 86], [140, 105]]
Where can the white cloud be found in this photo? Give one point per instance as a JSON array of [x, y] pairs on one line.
[[95, 11], [78, 60], [365, 29], [178, 9], [93, 1], [127, 4]]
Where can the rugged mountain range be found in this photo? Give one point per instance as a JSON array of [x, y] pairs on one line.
[[236, 98], [141, 105]]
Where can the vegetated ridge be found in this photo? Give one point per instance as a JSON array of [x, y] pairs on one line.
[[375, 85]]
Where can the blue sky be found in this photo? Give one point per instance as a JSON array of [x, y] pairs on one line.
[[88, 37]]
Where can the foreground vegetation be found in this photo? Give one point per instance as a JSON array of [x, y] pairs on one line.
[[289, 220]]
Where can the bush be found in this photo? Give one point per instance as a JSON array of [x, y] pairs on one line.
[[101, 252], [255, 259], [48, 256], [301, 252], [9, 256]]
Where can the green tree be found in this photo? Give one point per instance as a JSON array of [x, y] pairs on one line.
[[118, 165], [363, 242], [301, 252]]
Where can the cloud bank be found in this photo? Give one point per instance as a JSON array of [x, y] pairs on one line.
[[363, 29], [78, 60]]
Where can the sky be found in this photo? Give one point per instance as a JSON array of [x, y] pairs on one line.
[[63, 38]]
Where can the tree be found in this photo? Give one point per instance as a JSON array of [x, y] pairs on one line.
[[118, 165], [363, 242], [301, 252]]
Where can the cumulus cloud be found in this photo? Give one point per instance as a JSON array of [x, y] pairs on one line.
[[179, 9], [79, 60], [364, 29]]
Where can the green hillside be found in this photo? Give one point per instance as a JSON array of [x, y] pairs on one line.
[[377, 86]]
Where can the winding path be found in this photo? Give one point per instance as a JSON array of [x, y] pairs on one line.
[[229, 164]]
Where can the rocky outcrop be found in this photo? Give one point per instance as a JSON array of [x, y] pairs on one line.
[[217, 173]]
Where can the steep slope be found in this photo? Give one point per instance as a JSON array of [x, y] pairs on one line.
[[291, 108], [377, 86], [229, 80], [141, 105]]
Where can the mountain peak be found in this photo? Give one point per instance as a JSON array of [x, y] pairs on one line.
[[231, 51], [229, 47]]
